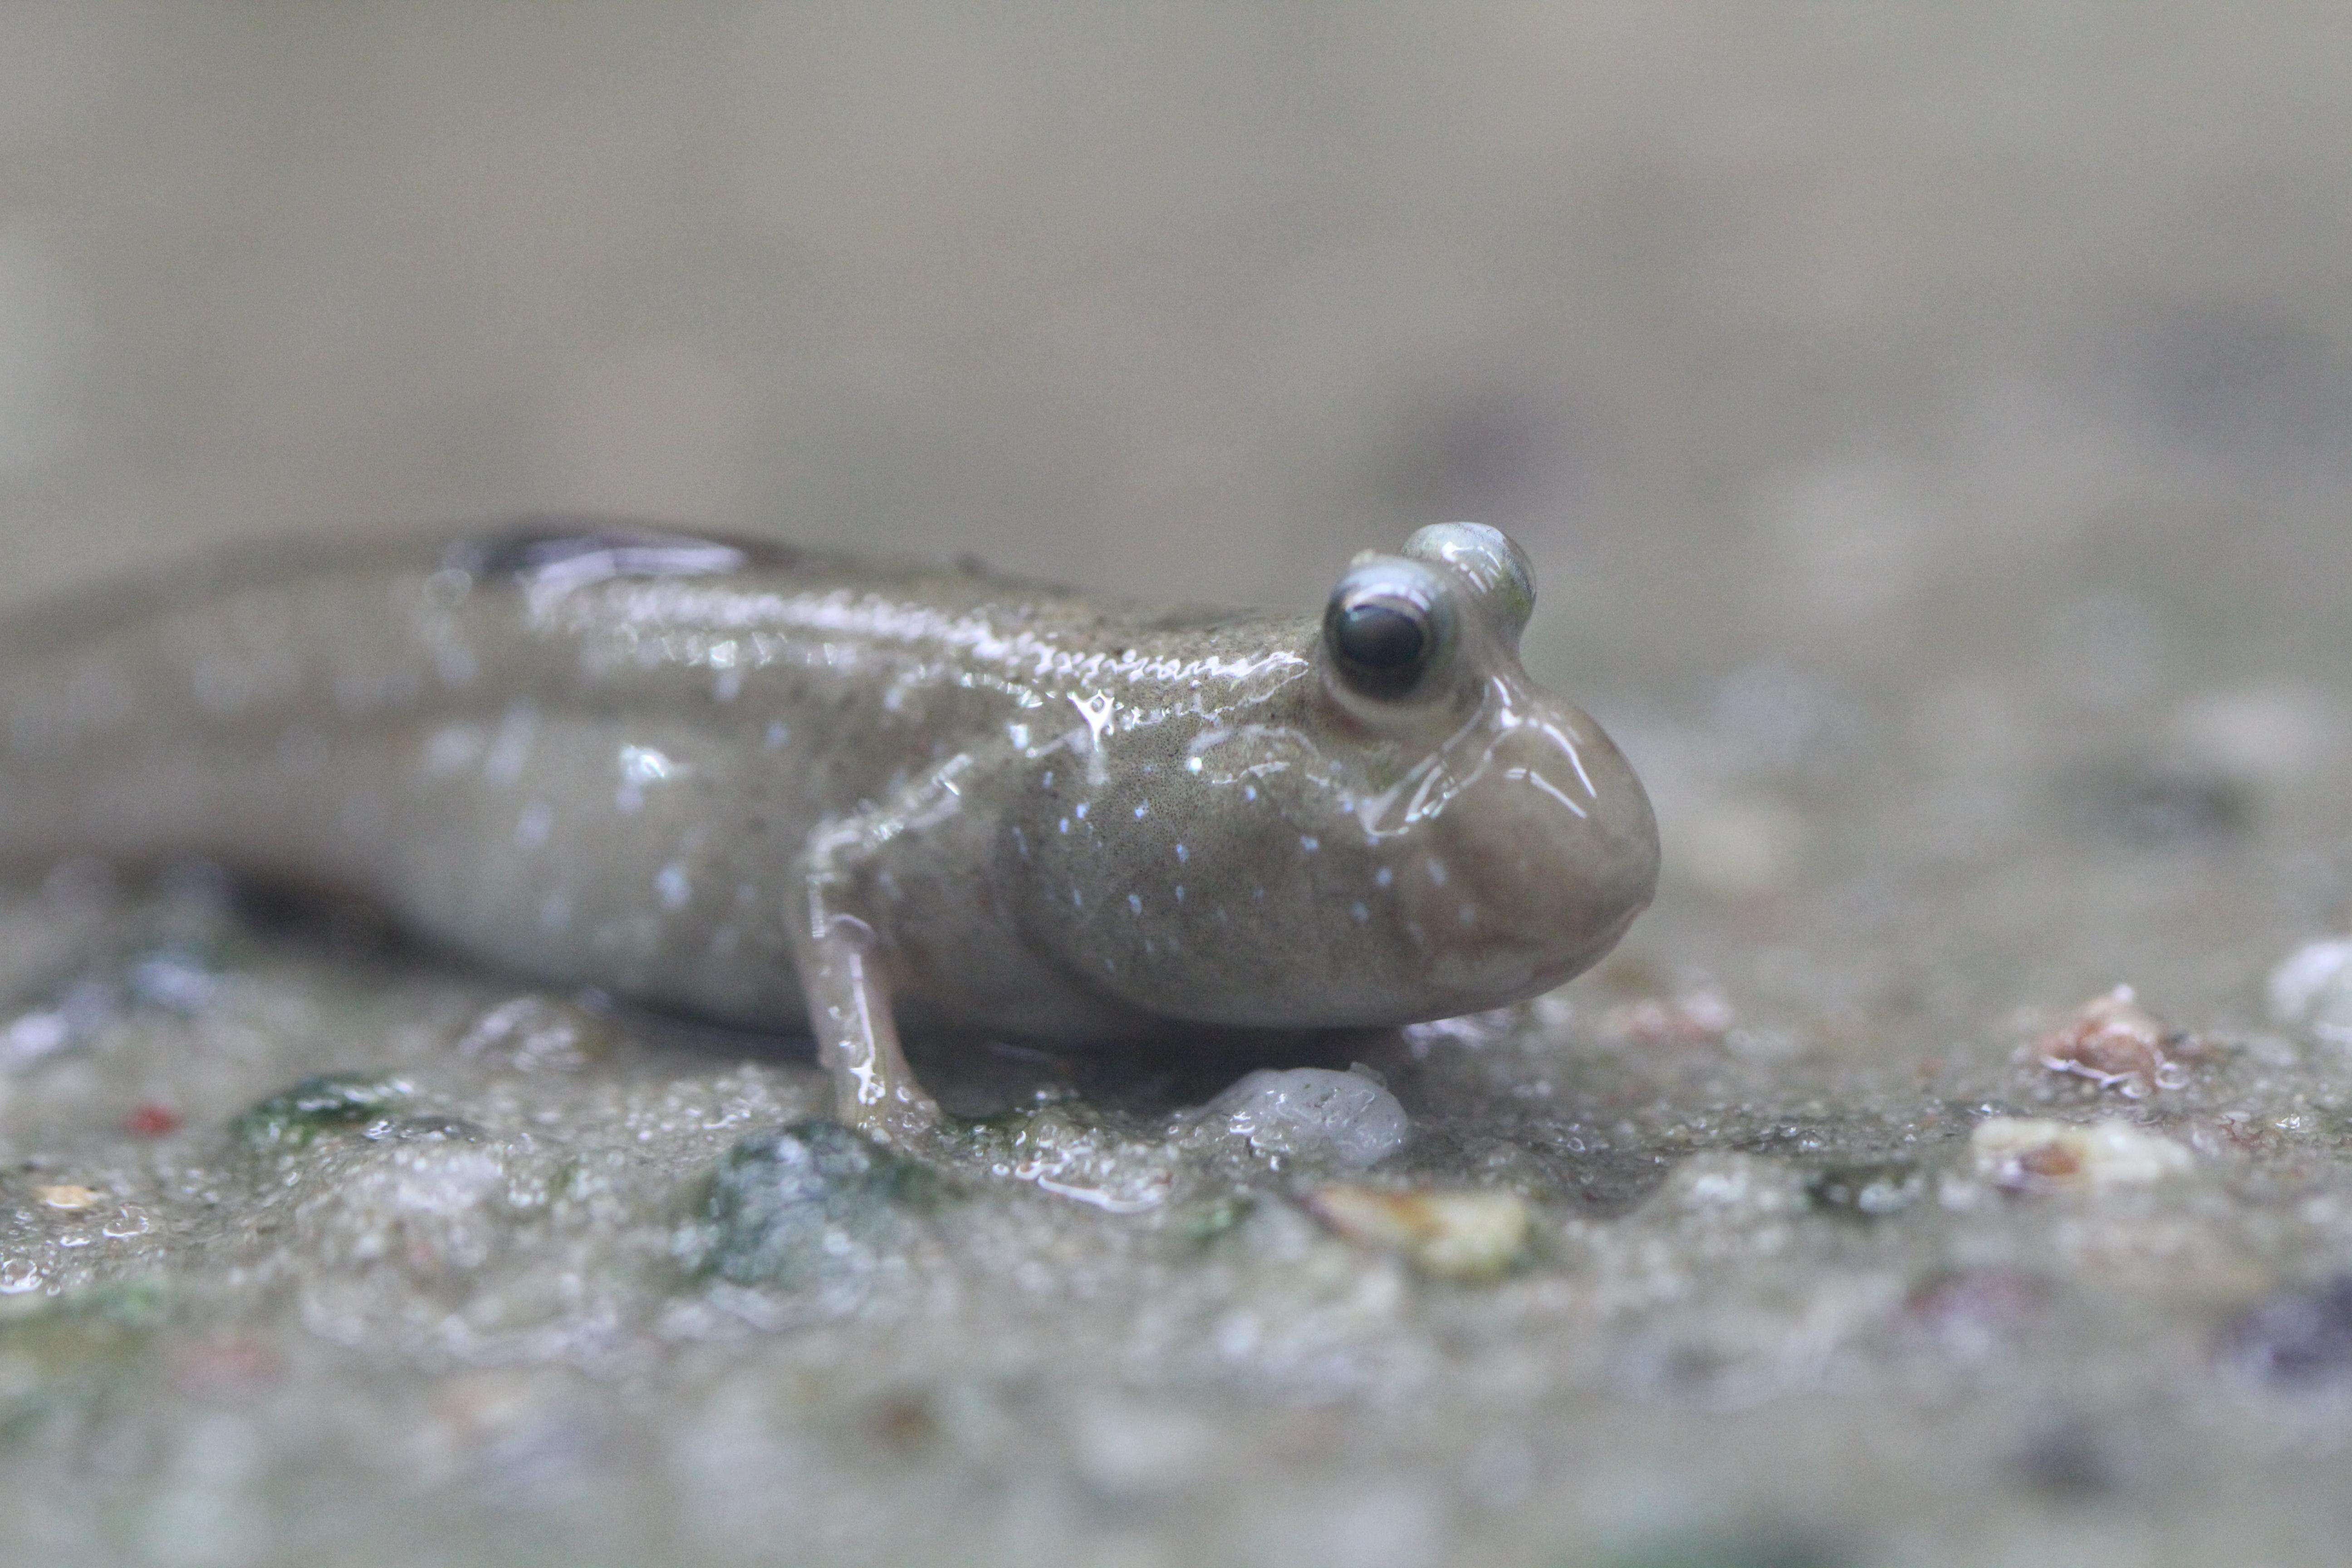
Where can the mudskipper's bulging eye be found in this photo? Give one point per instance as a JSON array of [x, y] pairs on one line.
[[1381, 645]]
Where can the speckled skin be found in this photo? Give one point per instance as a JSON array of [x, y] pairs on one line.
[[762, 785]]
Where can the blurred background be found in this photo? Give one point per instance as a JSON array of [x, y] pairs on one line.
[[1852, 333]]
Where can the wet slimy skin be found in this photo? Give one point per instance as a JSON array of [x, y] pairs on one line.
[[765, 786]]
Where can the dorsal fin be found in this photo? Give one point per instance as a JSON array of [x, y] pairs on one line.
[[568, 551]]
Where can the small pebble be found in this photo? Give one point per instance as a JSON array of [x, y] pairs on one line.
[[2157, 805], [538, 1033], [1973, 1312], [1344, 1119], [2117, 1043], [1865, 1191], [70, 1198], [2312, 989], [2296, 1337], [1449, 1235], [2026, 1154], [151, 1120]]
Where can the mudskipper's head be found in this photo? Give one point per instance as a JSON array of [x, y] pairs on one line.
[[1411, 829]]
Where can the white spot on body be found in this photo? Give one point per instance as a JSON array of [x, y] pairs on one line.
[[1099, 712], [674, 886], [1134, 904], [778, 733], [1307, 842], [1142, 808], [728, 684], [1359, 911], [1383, 877], [533, 826], [1437, 870]]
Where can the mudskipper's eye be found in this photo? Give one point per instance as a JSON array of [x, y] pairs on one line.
[[1381, 645]]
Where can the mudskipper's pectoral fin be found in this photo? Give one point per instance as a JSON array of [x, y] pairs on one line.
[[873, 1090]]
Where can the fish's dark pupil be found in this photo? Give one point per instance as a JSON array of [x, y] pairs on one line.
[[1377, 638], [1380, 644]]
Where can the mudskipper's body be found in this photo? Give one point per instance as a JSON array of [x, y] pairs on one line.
[[770, 788]]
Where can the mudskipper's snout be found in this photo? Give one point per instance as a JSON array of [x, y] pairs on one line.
[[1543, 857]]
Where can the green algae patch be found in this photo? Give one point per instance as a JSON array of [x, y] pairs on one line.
[[807, 1200], [323, 1103]]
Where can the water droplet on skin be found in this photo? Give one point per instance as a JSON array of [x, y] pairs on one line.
[[1134, 904], [1142, 808], [1383, 877], [674, 886], [1309, 843], [1183, 855]]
